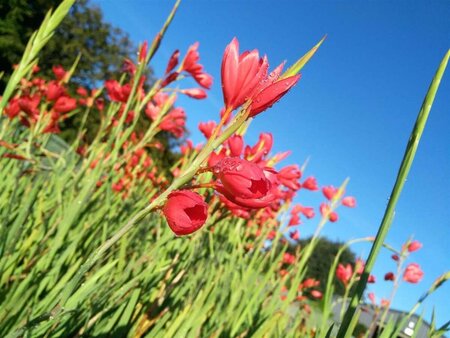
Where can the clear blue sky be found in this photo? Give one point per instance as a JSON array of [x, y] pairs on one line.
[[352, 111]]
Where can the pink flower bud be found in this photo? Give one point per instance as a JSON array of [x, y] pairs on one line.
[[195, 93], [413, 273], [414, 246], [349, 201]]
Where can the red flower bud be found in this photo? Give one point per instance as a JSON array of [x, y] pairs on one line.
[[173, 61], [242, 178], [236, 144], [389, 276], [185, 212]]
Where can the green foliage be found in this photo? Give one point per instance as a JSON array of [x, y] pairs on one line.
[[103, 47], [19, 19], [360, 330], [319, 264]]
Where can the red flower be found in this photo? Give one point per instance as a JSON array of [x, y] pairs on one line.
[[185, 212], [349, 201], [414, 246], [325, 209], [288, 258], [316, 294], [117, 92], [54, 91], [207, 128], [344, 273], [289, 176], [309, 283], [311, 184], [329, 192], [260, 149], [236, 144], [191, 65], [295, 235], [174, 122], [371, 296], [245, 77], [13, 108], [254, 203], [143, 51], [173, 61], [295, 219], [389, 276], [59, 72], [371, 279], [413, 273], [64, 104], [385, 302], [195, 93], [395, 257], [242, 178]]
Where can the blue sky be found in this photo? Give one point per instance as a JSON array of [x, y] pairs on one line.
[[352, 111]]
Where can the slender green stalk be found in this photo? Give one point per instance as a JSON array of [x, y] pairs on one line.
[[402, 175]]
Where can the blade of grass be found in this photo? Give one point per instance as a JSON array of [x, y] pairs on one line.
[[405, 166]]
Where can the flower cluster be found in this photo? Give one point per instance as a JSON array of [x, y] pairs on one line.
[[42, 105]]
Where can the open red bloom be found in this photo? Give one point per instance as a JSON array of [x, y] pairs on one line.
[[207, 128], [185, 212], [174, 122], [64, 104], [310, 183], [289, 176], [329, 192], [344, 273], [245, 77]]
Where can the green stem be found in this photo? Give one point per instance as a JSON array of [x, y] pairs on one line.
[[400, 182]]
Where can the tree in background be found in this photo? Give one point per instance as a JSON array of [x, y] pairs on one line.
[[103, 47], [320, 263]]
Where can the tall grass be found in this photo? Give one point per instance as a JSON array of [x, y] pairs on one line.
[[79, 259]]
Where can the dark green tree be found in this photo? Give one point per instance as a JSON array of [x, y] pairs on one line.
[[319, 264], [103, 47]]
